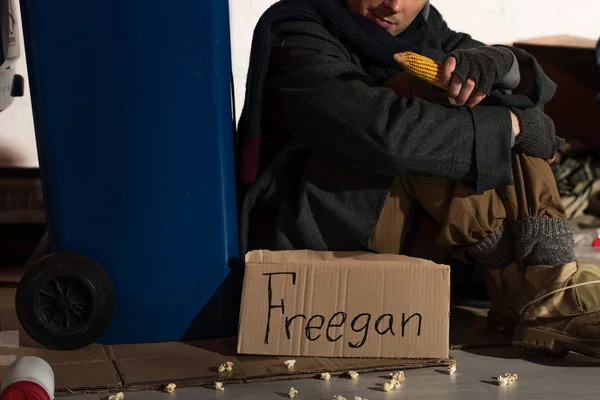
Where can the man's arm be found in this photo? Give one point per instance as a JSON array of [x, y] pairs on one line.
[[320, 95], [526, 78]]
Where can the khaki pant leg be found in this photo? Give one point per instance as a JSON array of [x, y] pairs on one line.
[[463, 216], [535, 193], [394, 220]]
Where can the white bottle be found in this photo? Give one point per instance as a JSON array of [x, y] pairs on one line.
[[28, 378]]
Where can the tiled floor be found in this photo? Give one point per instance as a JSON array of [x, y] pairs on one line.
[[539, 378]]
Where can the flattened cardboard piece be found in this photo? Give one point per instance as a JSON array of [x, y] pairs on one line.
[[81, 376], [344, 304], [153, 364], [88, 368], [359, 365], [86, 376], [196, 363], [572, 64]]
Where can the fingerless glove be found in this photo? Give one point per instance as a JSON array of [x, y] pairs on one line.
[[485, 65], [538, 135]]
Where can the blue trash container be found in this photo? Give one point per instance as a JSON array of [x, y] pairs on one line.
[[133, 116]]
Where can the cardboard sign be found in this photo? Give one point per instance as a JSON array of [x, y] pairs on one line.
[[339, 304]]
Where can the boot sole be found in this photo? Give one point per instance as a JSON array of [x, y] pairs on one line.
[[552, 343]]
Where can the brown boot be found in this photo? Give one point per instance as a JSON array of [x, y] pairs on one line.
[[507, 289], [564, 313], [503, 282]]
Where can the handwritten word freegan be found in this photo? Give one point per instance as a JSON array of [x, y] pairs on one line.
[[315, 327]]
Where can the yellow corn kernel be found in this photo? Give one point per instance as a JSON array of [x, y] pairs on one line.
[[422, 67]]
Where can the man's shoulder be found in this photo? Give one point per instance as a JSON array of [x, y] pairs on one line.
[[303, 28], [308, 36]]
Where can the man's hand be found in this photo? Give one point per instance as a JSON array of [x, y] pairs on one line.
[[516, 126], [461, 93], [537, 135], [471, 73]]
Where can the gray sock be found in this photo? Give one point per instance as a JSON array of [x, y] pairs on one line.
[[543, 241], [497, 250]]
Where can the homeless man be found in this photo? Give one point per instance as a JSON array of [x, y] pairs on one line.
[[340, 151]]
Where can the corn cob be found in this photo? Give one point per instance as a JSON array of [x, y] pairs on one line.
[[422, 67]]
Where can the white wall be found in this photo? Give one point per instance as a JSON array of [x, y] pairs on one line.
[[501, 21], [491, 21]]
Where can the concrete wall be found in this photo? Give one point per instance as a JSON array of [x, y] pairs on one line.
[[492, 21]]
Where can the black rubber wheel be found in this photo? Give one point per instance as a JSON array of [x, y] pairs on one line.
[[65, 301]]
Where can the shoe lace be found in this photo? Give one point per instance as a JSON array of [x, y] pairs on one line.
[[553, 292]]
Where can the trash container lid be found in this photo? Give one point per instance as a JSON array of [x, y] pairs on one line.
[[24, 390]]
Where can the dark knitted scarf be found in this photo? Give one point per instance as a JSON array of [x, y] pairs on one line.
[[371, 42]]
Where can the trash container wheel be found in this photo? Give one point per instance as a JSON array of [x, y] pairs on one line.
[[65, 301]]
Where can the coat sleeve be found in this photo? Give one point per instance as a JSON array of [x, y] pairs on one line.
[[535, 87], [319, 94]]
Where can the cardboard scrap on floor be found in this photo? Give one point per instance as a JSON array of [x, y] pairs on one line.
[[146, 366], [198, 362]]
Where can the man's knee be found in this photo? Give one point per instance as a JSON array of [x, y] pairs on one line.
[[534, 192], [465, 216]]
